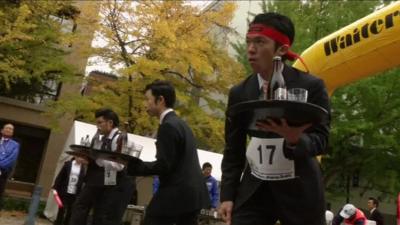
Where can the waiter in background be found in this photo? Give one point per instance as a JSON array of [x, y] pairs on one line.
[[107, 188]]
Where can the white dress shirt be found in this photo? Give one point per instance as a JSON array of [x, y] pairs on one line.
[[109, 164], [163, 114]]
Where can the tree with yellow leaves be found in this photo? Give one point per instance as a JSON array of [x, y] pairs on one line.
[[170, 40], [34, 39]]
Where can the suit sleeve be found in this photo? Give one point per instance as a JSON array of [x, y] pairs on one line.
[[58, 182], [166, 156], [8, 162], [82, 175], [378, 217], [314, 140], [337, 220], [234, 153]]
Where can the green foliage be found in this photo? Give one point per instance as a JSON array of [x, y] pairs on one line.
[[315, 19], [364, 134], [31, 52]]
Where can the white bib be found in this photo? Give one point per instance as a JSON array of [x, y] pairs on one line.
[[266, 159], [73, 178], [110, 176]]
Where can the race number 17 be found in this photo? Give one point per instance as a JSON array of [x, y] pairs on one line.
[[261, 151]]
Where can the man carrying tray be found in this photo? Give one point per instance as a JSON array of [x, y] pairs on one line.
[[107, 187], [276, 177]]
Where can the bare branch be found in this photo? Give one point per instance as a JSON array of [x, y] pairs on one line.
[[166, 71]]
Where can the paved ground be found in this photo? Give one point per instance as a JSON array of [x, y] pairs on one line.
[[18, 218]]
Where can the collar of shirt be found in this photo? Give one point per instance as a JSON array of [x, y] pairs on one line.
[[163, 114], [111, 134], [3, 140], [372, 210], [260, 81], [75, 164]]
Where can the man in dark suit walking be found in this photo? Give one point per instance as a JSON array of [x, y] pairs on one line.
[[182, 191], [374, 213], [296, 199]]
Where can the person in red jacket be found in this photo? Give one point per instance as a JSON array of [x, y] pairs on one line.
[[350, 215]]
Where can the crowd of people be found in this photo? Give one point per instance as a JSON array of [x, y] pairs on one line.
[[251, 193]]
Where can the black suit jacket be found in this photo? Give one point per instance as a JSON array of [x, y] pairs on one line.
[[376, 216], [182, 188], [62, 179], [301, 198]]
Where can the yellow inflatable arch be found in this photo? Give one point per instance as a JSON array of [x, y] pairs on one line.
[[363, 48]]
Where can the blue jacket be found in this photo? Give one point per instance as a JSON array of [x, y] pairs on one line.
[[212, 186], [8, 154], [156, 184]]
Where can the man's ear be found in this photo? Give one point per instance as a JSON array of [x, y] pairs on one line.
[[160, 99], [282, 50]]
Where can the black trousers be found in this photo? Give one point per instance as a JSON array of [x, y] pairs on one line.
[[3, 182], [261, 209], [64, 213], [108, 203], [189, 218]]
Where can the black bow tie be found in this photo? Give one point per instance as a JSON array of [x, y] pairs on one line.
[[106, 145]]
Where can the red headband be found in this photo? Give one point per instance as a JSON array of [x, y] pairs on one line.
[[269, 32], [277, 36]]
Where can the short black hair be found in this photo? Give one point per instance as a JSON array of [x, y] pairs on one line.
[[107, 114], [277, 21], [374, 200], [206, 165], [163, 88]]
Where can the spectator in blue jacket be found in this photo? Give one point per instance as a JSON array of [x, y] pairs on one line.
[[212, 184], [9, 150]]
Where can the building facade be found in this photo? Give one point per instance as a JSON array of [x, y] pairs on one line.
[[40, 144]]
